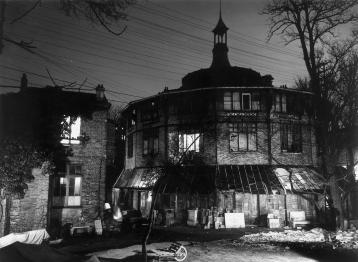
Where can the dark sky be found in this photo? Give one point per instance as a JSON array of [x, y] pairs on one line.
[[164, 40]]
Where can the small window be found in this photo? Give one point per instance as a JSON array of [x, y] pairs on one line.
[[189, 142], [67, 187], [71, 130], [243, 136], [227, 101], [291, 138], [256, 102], [130, 146], [151, 141], [246, 101], [236, 101]]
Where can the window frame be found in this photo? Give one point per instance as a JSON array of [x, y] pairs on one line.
[[290, 133], [65, 200], [130, 145], [197, 143], [67, 139], [234, 101], [243, 129], [151, 139]]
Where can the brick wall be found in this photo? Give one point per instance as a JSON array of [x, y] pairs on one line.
[[93, 158], [30, 213]]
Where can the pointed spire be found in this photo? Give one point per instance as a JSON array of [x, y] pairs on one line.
[[220, 50], [220, 28]]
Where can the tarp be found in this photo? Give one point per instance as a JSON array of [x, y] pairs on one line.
[[29, 237], [20, 252]]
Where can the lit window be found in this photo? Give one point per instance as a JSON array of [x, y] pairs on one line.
[[71, 130], [243, 137], [280, 103], [189, 142], [356, 172], [67, 188]]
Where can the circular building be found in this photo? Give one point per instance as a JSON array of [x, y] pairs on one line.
[[226, 141]]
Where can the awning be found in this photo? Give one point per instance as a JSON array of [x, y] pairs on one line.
[[304, 179], [255, 179], [138, 178]]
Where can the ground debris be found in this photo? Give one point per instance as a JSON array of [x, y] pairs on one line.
[[345, 239], [339, 239], [314, 235]]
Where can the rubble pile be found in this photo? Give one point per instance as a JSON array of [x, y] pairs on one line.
[[339, 239], [314, 235], [346, 239]]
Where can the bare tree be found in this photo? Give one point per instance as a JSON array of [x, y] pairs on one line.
[[314, 24], [105, 12]]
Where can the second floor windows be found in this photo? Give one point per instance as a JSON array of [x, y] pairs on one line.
[[190, 142], [149, 111], [243, 136], [291, 138], [236, 101], [71, 130], [151, 142]]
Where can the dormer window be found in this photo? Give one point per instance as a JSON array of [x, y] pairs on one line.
[[71, 130]]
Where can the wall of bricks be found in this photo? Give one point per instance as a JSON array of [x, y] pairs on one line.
[[30, 212], [92, 155]]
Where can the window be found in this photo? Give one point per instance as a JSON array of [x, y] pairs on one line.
[[67, 187], [150, 111], [151, 142], [132, 119], [246, 101], [130, 146], [71, 130], [280, 103], [255, 102], [235, 101], [243, 136], [291, 138], [189, 142]]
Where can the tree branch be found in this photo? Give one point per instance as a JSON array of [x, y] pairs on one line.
[[26, 13]]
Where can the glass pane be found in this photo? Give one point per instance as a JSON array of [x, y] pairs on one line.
[[77, 186], [246, 103], [234, 143], [71, 186], [242, 141], [197, 142], [278, 104], [227, 101], [156, 145], [252, 141], [76, 128], [236, 101], [283, 103], [145, 146]]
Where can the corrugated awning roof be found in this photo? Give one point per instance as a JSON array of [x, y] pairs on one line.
[[304, 179], [247, 178], [143, 178], [255, 179]]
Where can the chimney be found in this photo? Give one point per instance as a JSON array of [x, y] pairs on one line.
[[100, 93], [23, 81]]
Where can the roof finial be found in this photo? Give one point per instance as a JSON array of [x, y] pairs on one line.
[[220, 8]]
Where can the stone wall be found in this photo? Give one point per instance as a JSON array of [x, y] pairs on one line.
[[30, 212], [93, 156]]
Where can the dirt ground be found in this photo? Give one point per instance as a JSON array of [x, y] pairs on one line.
[[217, 245]]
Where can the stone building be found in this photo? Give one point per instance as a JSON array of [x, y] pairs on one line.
[[73, 126], [236, 138]]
